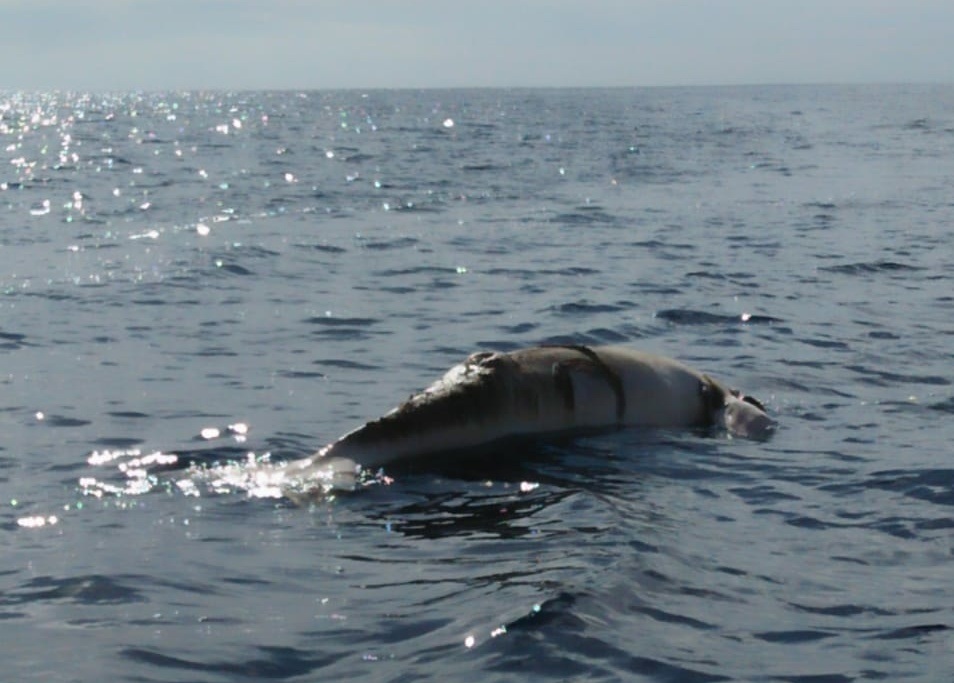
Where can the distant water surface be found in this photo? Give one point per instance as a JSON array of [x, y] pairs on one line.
[[196, 285]]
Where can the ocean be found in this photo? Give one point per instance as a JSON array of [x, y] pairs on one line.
[[195, 286]]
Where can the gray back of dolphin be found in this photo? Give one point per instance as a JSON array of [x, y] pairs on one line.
[[543, 391]]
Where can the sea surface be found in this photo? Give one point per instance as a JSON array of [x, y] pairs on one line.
[[195, 286]]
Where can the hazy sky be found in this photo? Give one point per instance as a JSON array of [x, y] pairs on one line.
[[232, 44]]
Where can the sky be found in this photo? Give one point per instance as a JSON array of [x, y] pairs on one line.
[[115, 45]]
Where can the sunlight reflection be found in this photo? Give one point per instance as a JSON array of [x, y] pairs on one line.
[[131, 473], [42, 209], [37, 521]]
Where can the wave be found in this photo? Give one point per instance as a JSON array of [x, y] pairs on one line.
[[688, 316], [867, 267]]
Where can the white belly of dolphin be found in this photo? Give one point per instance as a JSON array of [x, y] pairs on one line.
[[540, 391]]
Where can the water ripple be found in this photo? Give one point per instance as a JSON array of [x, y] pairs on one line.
[[94, 589], [277, 663], [871, 267], [680, 316]]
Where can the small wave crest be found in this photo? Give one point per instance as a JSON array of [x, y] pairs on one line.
[[871, 267], [686, 316]]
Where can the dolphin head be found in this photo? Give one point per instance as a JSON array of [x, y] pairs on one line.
[[739, 414], [745, 416]]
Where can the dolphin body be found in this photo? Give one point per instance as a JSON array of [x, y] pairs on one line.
[[538, 392]]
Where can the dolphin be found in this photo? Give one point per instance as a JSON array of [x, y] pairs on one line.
[[539, 392]]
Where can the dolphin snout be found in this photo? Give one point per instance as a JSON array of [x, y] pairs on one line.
[[745, 419]]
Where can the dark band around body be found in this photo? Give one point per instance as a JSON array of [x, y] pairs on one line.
[[616, 384]]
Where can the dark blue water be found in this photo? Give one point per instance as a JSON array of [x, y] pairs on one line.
[[283, 266]]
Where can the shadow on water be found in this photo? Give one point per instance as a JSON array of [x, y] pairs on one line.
[[556, 639], [265, 663], [509, 492]]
